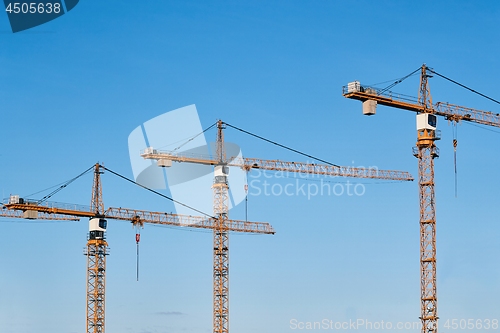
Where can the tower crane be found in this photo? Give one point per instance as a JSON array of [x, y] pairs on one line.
[[96, 250], [425, 151], [220, 194]]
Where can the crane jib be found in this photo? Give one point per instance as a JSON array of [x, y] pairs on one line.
[[295, 167]]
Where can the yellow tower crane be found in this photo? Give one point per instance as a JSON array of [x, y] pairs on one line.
[[96, 250], [425, 151], [220, 195]]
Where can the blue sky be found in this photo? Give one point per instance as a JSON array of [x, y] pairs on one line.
[[72, 90]]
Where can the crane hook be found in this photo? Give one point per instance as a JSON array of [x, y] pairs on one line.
[[246, 202], [137, 240], [455, 143]]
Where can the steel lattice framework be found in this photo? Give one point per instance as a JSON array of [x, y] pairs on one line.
[[277, 165], [221, 260], [96, 284], [221, 240], [427, 151], [72, 212], [96, 262]]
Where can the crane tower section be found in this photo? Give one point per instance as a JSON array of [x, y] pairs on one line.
[[96, 252], [426, 151], [97, 249], [221, 239]]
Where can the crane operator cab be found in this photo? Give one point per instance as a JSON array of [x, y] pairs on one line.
[[221, 172], [97, 228], [426, 121]]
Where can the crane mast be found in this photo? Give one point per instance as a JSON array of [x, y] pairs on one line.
[[221, 239], [426, 152], [96, 253]]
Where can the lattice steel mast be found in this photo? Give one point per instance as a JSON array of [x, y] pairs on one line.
[[96, 260], [426, 151], [221, 239]]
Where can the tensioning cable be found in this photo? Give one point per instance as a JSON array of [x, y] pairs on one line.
[[157, 193], [282, 146]]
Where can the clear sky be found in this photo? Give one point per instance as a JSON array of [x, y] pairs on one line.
[[72, 90]]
